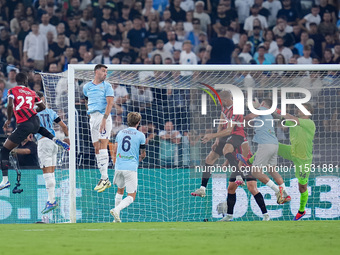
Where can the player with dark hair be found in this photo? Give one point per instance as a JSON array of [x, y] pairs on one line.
[[99, 99], [228, 138], [21, 101]]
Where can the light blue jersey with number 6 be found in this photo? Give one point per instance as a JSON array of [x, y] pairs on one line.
[[129, 141]]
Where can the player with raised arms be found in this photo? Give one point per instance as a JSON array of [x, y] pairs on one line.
[[99, 99], [266, 154], [130, 150], [47, 152], [22, 101], [300, 151], [228, 138]]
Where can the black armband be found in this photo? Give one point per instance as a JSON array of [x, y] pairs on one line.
[[57, 120], [142, 146]]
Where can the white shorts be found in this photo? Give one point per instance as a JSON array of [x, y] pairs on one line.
[[47, 152], [266, 154], [95, 121], [126, 179]]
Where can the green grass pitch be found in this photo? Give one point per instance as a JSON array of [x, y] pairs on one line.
[[273, 237]]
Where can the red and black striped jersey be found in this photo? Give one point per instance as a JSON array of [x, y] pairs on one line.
[[24, 100], [237, 121]]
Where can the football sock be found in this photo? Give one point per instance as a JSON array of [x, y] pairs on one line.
[[4, 162], [206, 175], [50, 186], [284, 189], [103, 162], [273, 186], [251, 160], [303, 200], [260, 201], [232, 160], [231, 200], [125, 203], [118, 199]]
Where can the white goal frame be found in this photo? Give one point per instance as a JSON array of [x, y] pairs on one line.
[[72, 68]]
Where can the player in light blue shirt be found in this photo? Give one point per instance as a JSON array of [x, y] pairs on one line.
[[130, 150], [99, 97], [47, 152], [266, 154]]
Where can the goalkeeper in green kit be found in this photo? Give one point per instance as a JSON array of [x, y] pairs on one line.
[[301, 135]]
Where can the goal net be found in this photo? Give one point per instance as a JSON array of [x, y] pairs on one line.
[[183, 98]]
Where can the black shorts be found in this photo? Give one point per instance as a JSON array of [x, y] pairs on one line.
[[235, 140], [248, 177], [31, 126], [220, 146]]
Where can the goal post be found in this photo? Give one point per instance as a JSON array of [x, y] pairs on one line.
[[169, 185]]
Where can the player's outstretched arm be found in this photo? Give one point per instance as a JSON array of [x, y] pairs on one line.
[[65, 130], [288, 116]]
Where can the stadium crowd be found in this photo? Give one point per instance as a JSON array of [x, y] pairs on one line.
[[47, 35]]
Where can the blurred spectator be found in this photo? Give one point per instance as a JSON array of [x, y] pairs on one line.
[[66, 58], [319, 40], [329, 41], [46, 27], [248, 24], [137, 34], [4, 91], [177, 13], [13, 49], [123, 19], [194, 34], [261, 58], [112, 34], [327, 26], [148, 8], [203, 42], [126, 52], [27, 153], [61, 30], [172, 43], [117, 125], [305, 59], [57, 49], [312, 17], [86, 18], [221, 18], [188, 21], [280, 59], [4, 37], [161, 51], [203, 17], [24, 31], [243, 9], [187, 58], [37, 85], [36, 47], [282, 28], [289, 12], [187, 5], [256, 38], [245, 55], [180, 32], [281, 49], [326, 7], [15, 22], [116, 47], [88, 56], [98, 44], [327, 57], [121, 97], [11, 83], [176, 57], [222, 48], [53, 68], [160, 5], [273, 6], [169, 141], [103, 58], [336, 57], [303, 42], [71, 30], [166, 18]]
